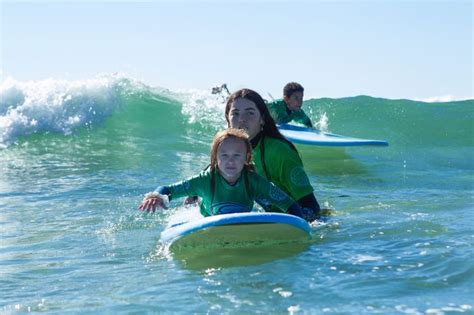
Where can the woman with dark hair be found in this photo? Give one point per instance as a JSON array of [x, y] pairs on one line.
[[274, 156]]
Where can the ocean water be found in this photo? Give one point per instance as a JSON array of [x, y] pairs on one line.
[[77, 156]]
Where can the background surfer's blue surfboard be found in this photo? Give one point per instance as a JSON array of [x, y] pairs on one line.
[[237, 229], [310, 136]]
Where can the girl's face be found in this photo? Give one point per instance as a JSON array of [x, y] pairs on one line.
[[244, 114], [231, 158]]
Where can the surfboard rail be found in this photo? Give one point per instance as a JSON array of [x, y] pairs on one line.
[[309, 136], [268, 226]]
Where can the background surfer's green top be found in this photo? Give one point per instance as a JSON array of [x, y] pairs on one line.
[[227, 198], [282, 115]]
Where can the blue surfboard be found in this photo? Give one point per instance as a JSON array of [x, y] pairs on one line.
[[303, 135], [236, 230]]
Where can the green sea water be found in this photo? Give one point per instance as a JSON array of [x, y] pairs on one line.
[[77, 157]]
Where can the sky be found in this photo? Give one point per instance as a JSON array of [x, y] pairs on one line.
[[393, 49]]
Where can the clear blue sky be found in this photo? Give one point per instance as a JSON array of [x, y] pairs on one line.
[[393, 49]]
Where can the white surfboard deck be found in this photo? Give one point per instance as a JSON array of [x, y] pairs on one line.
[[303, 135], [236, 230]]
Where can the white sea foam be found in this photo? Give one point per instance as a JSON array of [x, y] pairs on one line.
[[443, 98], [323, 123], [358, 259], [56, 105], [202, 107]]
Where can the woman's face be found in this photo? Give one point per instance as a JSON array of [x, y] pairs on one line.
[[231, 158], [244, 114]]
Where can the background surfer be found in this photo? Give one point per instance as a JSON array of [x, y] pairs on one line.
[[290, 107]]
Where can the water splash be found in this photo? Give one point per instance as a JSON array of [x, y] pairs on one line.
[[203, 108], [57, 105], [323, 122]]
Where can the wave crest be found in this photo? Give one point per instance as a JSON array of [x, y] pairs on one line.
[[57, 105]]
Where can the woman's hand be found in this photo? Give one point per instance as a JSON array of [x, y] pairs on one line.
[[304, 213], [308, 214]]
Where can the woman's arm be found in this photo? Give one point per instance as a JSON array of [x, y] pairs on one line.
[[304, 213], [309, 201]]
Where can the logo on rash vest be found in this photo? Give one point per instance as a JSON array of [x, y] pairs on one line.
[[276, 193], [298, 177], [228, 207]]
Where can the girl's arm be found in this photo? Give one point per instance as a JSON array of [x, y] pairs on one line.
[[163, 194]]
